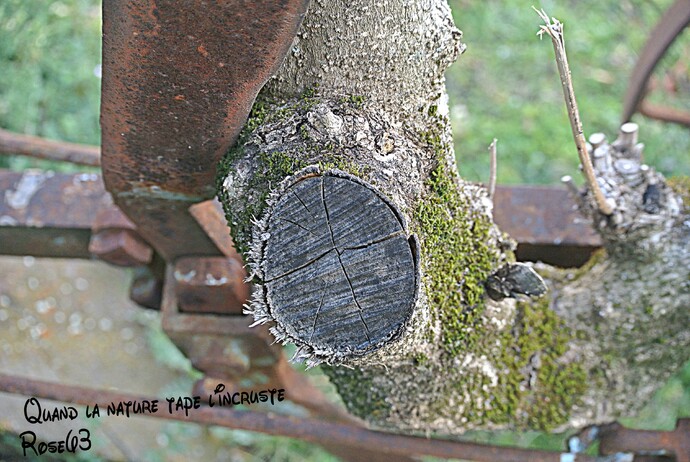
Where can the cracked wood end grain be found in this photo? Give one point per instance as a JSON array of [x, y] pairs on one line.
[[339, 273]]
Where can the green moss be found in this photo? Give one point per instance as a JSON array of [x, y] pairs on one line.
[[535, 390], [459, 256], [458, 259], [681, 186], [597, 257], [361, 395], [420, 358], [275, 166], [355, 101]]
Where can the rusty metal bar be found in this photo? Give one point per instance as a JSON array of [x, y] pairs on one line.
[[311, 430], [179, 79], [664, 113], [544, 222], [52, 215], [41, 148], [615, 438], [674, 20], [210, 216], [210, 285]]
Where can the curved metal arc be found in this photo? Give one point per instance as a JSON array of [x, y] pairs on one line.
[[676, 18]]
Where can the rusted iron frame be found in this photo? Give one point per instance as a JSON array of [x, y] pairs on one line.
[[211, 217], [64, 208], [41, 148], [50, 215], [672, 23], [647, 445], [311, 430]]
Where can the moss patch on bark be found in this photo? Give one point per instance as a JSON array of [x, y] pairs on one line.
[[274, 165]]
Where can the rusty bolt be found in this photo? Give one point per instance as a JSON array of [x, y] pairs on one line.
[[121, 247], [114, 240], [210, 285], [146, 289]]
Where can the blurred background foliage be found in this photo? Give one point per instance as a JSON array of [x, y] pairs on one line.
[[505, 86], [50, 54]]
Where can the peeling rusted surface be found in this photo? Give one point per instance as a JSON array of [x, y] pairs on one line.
[[48, 200], [45, 214], [179, 79]]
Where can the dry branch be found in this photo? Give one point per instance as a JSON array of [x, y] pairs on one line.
[[554, 29]]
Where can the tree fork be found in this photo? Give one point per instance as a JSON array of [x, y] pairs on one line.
[[361, 100]]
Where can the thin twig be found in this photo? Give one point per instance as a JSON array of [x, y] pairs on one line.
[[555, 31], [492, 169]]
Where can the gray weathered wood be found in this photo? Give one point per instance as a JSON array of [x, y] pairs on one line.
[[341, 275]]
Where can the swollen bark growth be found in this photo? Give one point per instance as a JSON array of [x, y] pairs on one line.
[[368, 251]]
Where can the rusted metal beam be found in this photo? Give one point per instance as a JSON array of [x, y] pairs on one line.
[[210, 285], [210, 216], [116, 241], [179, 79], [674, 20], [615, 438], [311, 430], [41, 148], [544, 222], [50, 215], [45, 214]]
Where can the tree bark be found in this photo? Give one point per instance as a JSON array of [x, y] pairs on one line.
[[370, 254]]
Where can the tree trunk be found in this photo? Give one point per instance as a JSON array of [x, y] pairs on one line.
[[369, 253]]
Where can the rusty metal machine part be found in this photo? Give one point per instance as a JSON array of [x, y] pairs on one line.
[[114, 239], [675, 19], [646, 445], [210, 285], [616, 441], [179, 80]]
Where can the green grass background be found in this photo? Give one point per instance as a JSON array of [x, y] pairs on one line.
[[505, 86]]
